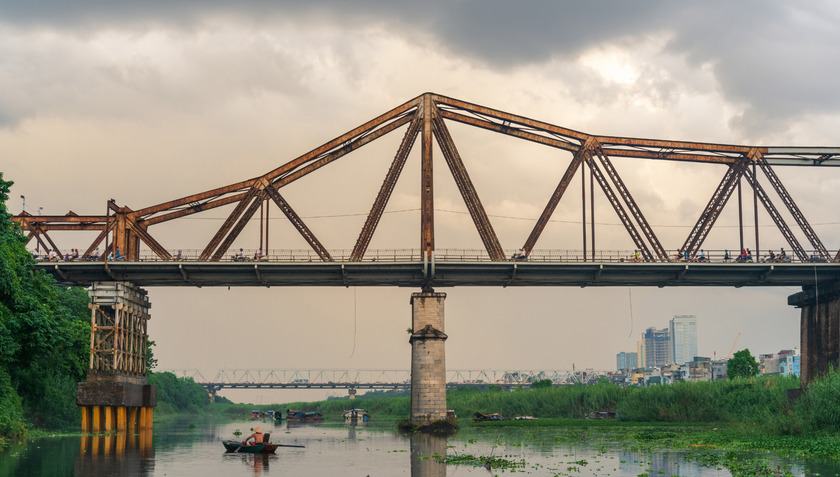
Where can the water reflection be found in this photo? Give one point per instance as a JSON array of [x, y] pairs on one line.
[[424, 447], [259, 463], [115, 454], [192, 448]]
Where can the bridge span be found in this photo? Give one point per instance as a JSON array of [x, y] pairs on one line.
[[749, 184], [384, 379], [462, 269]]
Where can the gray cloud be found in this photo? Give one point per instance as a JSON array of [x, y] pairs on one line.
[[773, 58]]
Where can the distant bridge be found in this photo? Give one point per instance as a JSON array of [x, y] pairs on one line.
[[376, 378]]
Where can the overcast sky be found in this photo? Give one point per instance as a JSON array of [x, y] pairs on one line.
[[144, 102]]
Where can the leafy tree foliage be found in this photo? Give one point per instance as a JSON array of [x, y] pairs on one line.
[[44, 337], [176, 394], [151, 361], [742, 365], [542, 383]]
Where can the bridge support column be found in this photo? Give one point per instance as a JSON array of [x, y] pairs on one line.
[[819, 330], [116, 380], [428, 358]]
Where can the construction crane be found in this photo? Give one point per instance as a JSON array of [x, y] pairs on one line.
[[733, 346]]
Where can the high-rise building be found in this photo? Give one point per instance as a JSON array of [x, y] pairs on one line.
[[640, 352], [627, 361], [657, 347], [683, 330]]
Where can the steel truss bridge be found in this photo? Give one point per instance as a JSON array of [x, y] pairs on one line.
[[129, 231], [387, 379]]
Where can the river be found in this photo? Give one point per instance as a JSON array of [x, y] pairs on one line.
[[193, 448]]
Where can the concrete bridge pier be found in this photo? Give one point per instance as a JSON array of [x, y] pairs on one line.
[[428, 358], [116, 395], [819, 329]]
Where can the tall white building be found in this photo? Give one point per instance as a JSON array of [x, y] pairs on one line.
[[683, 338]]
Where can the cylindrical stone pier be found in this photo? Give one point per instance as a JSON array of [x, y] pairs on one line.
[[819, 330], [428, 358]]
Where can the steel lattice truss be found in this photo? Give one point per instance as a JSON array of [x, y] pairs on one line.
[[376, 378], [426, 116]]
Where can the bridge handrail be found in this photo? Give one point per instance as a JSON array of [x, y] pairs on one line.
[[462, 255], [368, 377]]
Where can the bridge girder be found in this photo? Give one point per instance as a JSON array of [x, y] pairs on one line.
[[426, 116]]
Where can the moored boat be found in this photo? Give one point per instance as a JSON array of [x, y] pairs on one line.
[[481, 417], [356, 415], [293, 415]]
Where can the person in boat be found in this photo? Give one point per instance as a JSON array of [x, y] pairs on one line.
[[257, 436]]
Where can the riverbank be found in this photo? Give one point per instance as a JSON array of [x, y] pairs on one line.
[[696, 438]]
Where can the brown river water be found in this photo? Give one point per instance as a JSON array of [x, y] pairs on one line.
[[194, 448]]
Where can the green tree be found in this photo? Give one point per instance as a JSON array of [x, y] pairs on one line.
[[542, 383], [151, 361], [178, 394], [742, 365], [44, 337]]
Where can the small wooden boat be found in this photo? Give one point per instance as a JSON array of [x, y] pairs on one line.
[[261, 448], [236, 446]]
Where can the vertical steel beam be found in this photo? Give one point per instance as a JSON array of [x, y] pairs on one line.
[[740, 218], [592, 207], [427, 204], [583, 206], [468, 192], [121, 231], [267, 209], [386, 189], [755, 208], [577, 159]]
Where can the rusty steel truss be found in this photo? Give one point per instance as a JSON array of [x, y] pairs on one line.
[[119, 315], [124, 228]]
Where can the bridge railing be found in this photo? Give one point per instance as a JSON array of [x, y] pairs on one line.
[[345, 377], [464, 255]]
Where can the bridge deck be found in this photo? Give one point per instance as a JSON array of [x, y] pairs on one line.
[[443, 274]]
